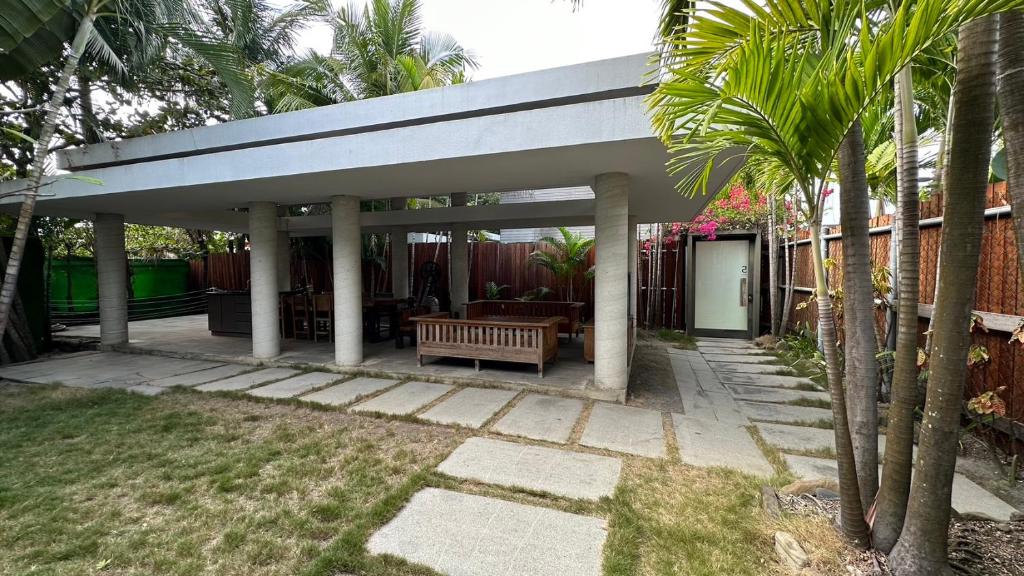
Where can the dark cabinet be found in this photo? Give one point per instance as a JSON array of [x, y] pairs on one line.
[[230, 313]]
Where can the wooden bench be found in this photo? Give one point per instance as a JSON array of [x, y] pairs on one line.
[[529, 341], [571, 312]]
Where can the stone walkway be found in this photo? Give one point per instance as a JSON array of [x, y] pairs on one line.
[[563, 447]]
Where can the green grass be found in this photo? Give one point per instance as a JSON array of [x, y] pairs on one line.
[[811, 403], [680, 339], [106, 482], [184, 484]]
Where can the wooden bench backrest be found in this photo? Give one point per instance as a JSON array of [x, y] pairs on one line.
[[512, 341], [571, 311]]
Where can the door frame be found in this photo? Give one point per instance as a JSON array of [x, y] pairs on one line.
[[753, 238]]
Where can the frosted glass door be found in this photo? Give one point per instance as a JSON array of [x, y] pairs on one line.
[[721, 283]]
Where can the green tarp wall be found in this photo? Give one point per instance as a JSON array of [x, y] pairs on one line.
[[31, 288], [150, 279]]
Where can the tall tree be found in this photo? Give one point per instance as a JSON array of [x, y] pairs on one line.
[[1011, 111], [922, 546]]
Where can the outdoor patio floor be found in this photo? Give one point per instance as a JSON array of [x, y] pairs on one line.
[[189, 337]]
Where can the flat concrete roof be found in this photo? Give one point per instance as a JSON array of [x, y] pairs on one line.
[[546, 129]]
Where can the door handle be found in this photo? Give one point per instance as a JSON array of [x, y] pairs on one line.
[[743, 292]]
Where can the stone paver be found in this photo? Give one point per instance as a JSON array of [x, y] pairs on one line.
[[773, 380], [625, 429], [405, 399], [297, 385], [968, 497], [147, 390], [720, 367], [470, 407], [541, 418], [768, 412], [702, 394], [710, 443], [348, 392], [248, 380], [201, 376], [767, 394], [559, 472], [467, 535], [101, 370], [797, 438], [739, 358], [733, 351]]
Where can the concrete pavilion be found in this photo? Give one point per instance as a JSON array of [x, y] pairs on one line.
[[579, 125]]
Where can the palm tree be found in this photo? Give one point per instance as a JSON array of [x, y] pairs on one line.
[[565, 257], [922, 545], [169, 18], [1011, 110], [379, 50], [788, 81]]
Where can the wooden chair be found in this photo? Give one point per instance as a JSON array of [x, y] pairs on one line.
[[323, 317], [406, 327], [301, 313]]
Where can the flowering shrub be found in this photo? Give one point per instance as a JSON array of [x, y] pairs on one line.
[[735, 209]]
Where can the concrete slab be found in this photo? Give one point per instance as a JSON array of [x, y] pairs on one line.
[[702, 394], [201, 376], [558, 472], [147, 390], [707, 340], [968, 497], [468, 535], [541, 418], [710, 443], [766, 394], [772, 380], [296, 385], [405, 399], [798, 438], [625, 429], [248, 380], [348, 392], [740, 358], [721, 367], [768, 412], [732, 350], [101, 370], [469, 407]]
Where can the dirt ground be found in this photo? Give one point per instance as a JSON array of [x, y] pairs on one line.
[[651, 382]]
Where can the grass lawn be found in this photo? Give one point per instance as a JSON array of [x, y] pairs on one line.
[[106, 482]]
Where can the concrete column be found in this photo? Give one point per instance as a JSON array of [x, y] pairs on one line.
[[458, 261], [400, 263], [263, 280], [348, 283], [633, 305], [112, 279], [611, 290], [284, 262]]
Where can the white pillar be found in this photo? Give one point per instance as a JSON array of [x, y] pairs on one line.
[[611, 290], [112, 279], [348, 283], [400, 263], [633, 306], [458, 262], [263, 280], [284, 262]]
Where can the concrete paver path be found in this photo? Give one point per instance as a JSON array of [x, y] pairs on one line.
[[625, 429], [468, 535], [405, 399], [541, 417], [248, 380], [296, 385], [469, 407], [348, 392], [559, 472]]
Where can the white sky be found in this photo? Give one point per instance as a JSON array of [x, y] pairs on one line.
[[513, 36]]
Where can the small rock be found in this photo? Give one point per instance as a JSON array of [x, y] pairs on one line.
[[809, 486], [826, 494], [770, 502], [791, 553]]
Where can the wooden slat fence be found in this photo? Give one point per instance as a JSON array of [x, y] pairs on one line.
[[1000, 289]]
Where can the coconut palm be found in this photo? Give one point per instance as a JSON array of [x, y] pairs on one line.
[[921, 549], [565, 257], [789, 81], [378, 50], [1011, 110], [90, 20]]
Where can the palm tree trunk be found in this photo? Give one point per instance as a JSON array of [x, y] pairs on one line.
[[773, 267], [891, 504], [922, 547], [859, 313], [851, 512], [1011, 109], [42, 147], [789, 256]]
